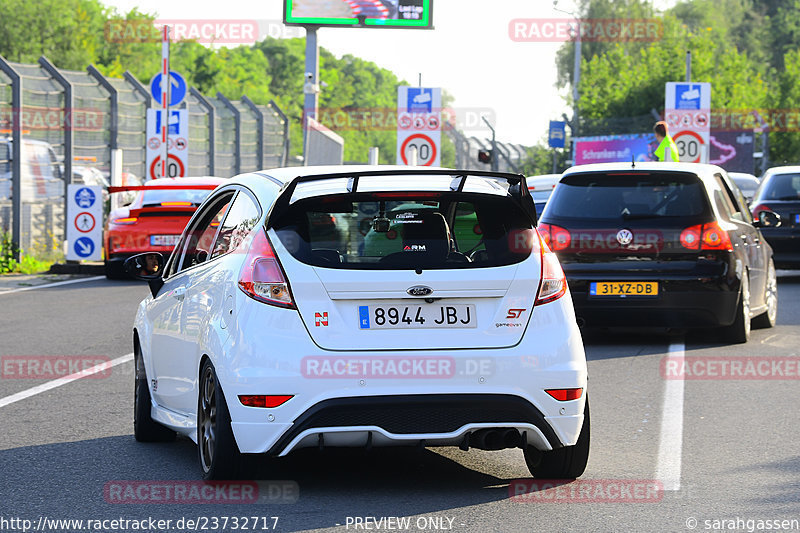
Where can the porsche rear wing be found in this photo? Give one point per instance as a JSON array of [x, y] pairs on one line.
[[517, 186]]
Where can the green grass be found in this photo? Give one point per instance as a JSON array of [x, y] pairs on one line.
[[27, 264]]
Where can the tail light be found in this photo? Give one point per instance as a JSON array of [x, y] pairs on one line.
[[124, 221], [706, 237], [264, 401], [565, 395], [556, 237], [554, 282], [690, 237], [262, 277]]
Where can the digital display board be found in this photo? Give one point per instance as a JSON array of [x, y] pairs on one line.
[[414, 14]]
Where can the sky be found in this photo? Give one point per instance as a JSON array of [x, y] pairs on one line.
[[470, 54]]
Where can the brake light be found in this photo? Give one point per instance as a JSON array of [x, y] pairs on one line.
[[262, 276], [556, 237], [706, 237], [406, 195], [554, 282], [125, 221], [264, 401], [565, 395], [177, 204], [690, 237], [715, 238]]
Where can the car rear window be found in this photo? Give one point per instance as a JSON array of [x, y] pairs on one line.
[[628, 196], [174, 197], [406, 230], [782, 187]]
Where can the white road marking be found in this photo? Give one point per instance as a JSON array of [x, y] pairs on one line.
[[33, 391], [668, 466], [56, 284]]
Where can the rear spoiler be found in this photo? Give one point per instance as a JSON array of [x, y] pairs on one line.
[[518, 188]]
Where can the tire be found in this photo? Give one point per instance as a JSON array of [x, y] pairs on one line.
[[216, 446], [145, 429], [115, 270], [768, 318], [568, 462], [739, 331]]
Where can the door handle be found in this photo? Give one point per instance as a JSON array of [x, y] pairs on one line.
[[179, 292]]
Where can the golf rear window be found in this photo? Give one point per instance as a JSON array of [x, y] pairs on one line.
[[406, 231], [628, 196]]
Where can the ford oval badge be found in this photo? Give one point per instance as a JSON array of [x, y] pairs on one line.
[[419, 290]]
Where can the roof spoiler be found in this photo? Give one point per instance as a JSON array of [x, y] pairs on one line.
[[518, 188]]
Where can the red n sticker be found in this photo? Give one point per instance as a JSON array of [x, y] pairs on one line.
[[321, 319]]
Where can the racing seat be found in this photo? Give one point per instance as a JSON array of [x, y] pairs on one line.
[[426, 241]]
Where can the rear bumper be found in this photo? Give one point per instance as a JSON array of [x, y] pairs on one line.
[[436, 419], [482, 389], [123, 244], [679, 304]]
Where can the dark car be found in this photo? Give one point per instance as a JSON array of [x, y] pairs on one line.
[[779, 194], [663, 245]]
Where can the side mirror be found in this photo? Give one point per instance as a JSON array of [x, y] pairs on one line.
[[768, 219], [148, 267]]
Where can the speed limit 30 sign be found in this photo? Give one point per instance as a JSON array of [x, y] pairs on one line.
[[691, 145]]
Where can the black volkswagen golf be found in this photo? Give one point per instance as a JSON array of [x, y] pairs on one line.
[[663, 245]]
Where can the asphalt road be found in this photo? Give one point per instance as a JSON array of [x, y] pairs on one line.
[[724, 449]]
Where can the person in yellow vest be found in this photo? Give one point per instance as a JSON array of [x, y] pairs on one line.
[[666, 151]]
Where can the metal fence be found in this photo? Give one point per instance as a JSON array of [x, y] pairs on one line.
[[60, 126], [509, 157]]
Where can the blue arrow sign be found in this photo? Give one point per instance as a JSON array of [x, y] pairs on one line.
[[177, 88], [84, 247]]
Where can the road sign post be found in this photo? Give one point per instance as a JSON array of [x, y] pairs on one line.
[[687, 111], [419, 125], [84, 222], [167, 136]]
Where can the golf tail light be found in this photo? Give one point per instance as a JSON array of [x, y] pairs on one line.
[[262, 277], [264, 401], [565, 395], [715, 238], [554, 282], [556, 237], [690, 237]]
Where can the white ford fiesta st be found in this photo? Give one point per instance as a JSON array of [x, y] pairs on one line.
[[359, 306]]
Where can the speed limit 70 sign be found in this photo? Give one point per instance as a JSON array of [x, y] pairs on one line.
[[692, 146]]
